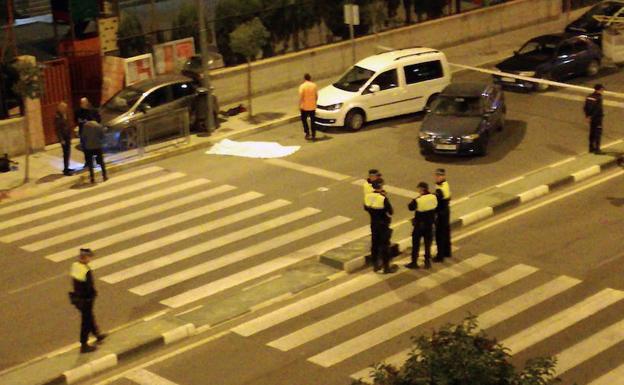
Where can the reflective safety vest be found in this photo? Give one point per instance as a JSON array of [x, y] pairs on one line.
[[368, 189], [426, 203], [374, 200], [79, 271], [445, 189]]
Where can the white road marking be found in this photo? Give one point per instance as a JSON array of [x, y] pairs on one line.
[[374, 305], [510, 181], [108, 209], [307, 169], [562, 162], [83, 232], [397, 360], [86, 201], [235, 257], [157, 225], [391, 189], [181, 235], [610, 378], [66, 194], [260, 270], [590, 347], [144, 377], [566, 96], [562, 320]]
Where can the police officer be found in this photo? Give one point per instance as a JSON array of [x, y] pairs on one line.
[[373, 175], [83, 297], [594, 114], [443, 216], [424, 206], [380, 210]]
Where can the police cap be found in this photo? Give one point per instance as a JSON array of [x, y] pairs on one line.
[[374, 172], [440, 171], [423, 185]]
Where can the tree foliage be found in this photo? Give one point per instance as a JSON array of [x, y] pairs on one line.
[[249, 38], [29, 83], [130, 37], [186, 24], [462, 354]]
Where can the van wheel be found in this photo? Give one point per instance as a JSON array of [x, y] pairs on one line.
[[431, 99], [355, 120], [592, 68]]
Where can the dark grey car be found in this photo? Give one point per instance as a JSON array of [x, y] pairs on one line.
[[462, 119]]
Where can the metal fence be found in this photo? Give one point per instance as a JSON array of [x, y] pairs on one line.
[[145, 135]]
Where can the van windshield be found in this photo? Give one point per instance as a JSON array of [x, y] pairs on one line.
[[354, 79], [123, 100], [457, 106]]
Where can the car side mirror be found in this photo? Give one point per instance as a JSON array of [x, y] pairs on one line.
[[374, 88]]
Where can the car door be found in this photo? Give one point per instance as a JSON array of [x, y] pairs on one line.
[[494, 106], [383, 103], [155, 105], [183, 97], [566, 60], [422, 80]]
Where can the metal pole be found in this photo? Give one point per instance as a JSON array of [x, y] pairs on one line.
[[203, 44], [352, 32]]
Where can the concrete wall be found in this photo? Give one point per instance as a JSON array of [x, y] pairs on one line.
[[12, 136], [327, 61]]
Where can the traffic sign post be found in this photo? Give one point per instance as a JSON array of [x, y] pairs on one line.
[[352, 18]]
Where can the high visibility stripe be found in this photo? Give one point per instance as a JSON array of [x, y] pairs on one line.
[[426, 202], [427, 313]]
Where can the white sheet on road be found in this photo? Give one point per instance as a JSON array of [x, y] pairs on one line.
[[252, 149]]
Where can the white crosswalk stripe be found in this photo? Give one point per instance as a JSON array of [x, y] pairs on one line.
[[611, 378], [145, 377]]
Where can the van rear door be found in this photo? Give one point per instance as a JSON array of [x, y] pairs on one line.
[[421, 81]]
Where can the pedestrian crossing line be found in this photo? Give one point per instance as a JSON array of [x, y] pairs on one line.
[[159, 225], [84, 232], [145, 377], [418, 317], [176, 237], [137, 250], [590, 347], [66, 194], [325, 297], [90, 200], [562, 320], [126, 203], [611, 378], [263, 269], [235, 257], [495, 315], [370, 307]]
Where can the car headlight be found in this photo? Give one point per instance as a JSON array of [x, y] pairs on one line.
[[334, 107], [528, 74], [425, 136], [470, 138]]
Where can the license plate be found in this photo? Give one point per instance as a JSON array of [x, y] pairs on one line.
[[446, 146], [508, 80]]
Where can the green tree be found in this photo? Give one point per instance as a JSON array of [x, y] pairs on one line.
[[463, 354], [230, 15], [247, 40], [130, 37], [186, 24]]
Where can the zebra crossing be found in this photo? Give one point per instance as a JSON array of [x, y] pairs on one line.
[[176, 238], [340, 335]]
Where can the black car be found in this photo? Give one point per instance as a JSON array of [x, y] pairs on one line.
[[553, 57], [596, 19], [462, 119]]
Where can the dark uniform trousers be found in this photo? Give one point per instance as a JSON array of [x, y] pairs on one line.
[[443, 232], [87, 324], [380, 243], [422, 229], [99, 157], [595, 132]]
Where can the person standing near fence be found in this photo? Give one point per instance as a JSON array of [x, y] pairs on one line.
[[93, 133], [64, 134], [308, 95]]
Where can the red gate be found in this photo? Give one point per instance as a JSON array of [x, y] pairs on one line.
[[57, 89], [85, 71]]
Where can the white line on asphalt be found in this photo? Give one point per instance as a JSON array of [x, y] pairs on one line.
[[66, 194], [566, 96], [554, 324], [610, 378], [163, 241], [375, 305], [87, 201], [562, 162], [155, 315], [157, 225], [263, 269], [307, 169], [108, 209], [424, 314], [189, 310], [262, 282], [235, 257], [510, 181], [30, 286], [144, 377], [84, 232]]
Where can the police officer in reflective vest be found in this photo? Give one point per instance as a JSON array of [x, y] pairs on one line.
[[594, 114], [443, 216], [83, 297], [380, 210], [424, 206], [373, 175]]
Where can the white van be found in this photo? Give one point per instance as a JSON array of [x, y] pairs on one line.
[[384, 85]]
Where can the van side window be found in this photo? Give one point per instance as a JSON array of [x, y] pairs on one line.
[[421, 72], [386, 80]]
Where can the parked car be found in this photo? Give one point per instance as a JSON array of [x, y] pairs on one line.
[[384, 85], [553, 57], [591, 26], [156, 96], [462, 119], [193, 66]]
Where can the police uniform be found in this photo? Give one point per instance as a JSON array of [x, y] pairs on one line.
[[424, 207], [594, 111], [368, 186], [443, 221], [84, 295], [380, 210]]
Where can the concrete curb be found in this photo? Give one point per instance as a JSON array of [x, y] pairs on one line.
[[111, 360], [352, 257]]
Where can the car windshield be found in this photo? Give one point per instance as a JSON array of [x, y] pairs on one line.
[[457, 106], [354, 79], [123, 100], [536, 47]]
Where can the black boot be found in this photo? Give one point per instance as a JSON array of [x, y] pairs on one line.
[[86, 348]]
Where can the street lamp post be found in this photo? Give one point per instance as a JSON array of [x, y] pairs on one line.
[[205, 59]]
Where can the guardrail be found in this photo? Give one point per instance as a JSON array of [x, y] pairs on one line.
[[146, 132]]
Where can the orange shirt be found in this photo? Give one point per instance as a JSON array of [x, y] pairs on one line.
[[307, 96]]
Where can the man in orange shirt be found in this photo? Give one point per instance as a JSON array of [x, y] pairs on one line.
[[308, 94]]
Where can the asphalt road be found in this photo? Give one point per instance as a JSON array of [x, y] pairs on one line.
[[542, 129], [545, 280]]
